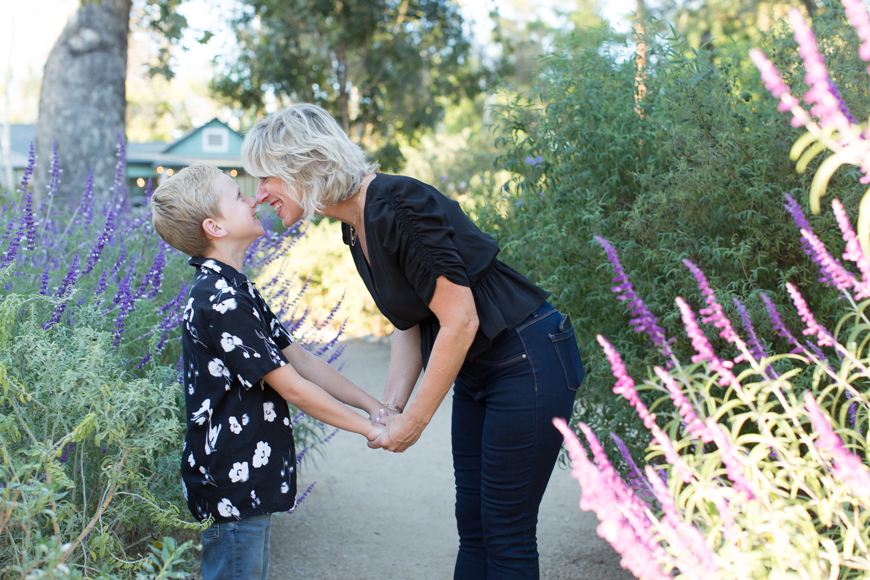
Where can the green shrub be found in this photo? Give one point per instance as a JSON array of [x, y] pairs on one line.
[[701, 173]]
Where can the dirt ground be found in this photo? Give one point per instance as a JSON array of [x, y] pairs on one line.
[[375, 514]]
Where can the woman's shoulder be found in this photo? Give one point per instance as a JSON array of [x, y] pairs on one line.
[[401, 191]]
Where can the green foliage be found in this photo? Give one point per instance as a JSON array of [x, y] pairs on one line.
[[699, 174], [382, 68]]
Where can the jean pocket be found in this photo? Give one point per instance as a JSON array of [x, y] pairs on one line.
[[212, 532], [569, 355]]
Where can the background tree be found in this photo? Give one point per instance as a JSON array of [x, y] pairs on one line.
[[83, 100], [383, 68]]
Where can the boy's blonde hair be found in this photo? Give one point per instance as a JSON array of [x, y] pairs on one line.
[[307, 150], [181, 203]]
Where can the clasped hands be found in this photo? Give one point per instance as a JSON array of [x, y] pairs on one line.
[[399, 431]]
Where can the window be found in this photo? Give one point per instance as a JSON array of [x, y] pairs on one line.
[[215, 140]]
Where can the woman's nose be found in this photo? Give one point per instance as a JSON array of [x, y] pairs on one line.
[[260, 197]]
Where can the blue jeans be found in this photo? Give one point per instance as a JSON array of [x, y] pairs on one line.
[[237, 550], [505, 444]]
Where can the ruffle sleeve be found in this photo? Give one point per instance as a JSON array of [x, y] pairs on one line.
[[416, 233]]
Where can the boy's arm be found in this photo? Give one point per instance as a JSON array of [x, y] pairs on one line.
[[317, 403], [319, 372]]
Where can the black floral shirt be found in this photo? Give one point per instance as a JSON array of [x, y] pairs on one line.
[[239, 459]]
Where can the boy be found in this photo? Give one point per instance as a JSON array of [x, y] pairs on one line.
[[238, 462]]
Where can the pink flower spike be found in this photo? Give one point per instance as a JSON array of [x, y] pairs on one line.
[[733, 466], [813, 328], [704, 349], [860, 21], [777, 87], [831, 269], [853, 252], [694, 426], [625, 385], [848, 467], [713, 312], [826, 106]]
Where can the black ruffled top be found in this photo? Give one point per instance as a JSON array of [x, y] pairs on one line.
[[414, 235]]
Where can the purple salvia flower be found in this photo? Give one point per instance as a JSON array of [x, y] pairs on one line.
[[301, 498], [54, 182], [848, 467], [694, 426], [29, 223], [338, 352], [69, 449], [844, 108], [756, 348], [731, 460], [86, 205], [301, 454], [639, 555], [69, 280], [101, 284], [813, 328], [825, 105], [154, 276], [148, 191], [28, 170], [125, 301], [778, 326], [43, 288], [120, 171], [834, 272], [179, 370], [298, 417], [636, 479], [853, 251], [860, 21], [774, 83], [120, 261], [644, 320], [108, 230], [703, 348]]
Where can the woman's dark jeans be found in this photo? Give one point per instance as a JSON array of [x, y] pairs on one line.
[[505, 444]]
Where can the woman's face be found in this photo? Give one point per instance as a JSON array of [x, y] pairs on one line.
[[271, 190]]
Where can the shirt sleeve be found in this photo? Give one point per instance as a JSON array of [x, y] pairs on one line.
[[246, 349], [419, 236]]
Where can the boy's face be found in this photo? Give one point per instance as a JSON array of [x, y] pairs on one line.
[[239, 211], [271, 191]]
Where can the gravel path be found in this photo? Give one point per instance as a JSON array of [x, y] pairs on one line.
[[374, 514]]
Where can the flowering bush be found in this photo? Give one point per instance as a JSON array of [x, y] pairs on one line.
[[760, 469], [700, 175], [91, 414]]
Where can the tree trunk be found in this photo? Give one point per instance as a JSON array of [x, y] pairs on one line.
[[83, 100]]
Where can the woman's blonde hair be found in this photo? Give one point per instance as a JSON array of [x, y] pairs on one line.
[[180, 205], [307, 150]]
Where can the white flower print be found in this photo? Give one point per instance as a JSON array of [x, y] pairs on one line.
[[239, 472], [211, 264], [245, 382], [287, 421], [190, 460], [184, 490], [229, 304], [229, 342], [261, 454], [234, 425], [217, 368], [269, 411], [203, 414], [227, 509], [211, 438], [188, 311], [256, 314], [285, 487], [245, 419]]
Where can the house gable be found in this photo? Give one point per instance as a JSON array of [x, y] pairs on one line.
[[214, 139]]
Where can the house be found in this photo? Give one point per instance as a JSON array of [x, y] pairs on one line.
[[211, 144]]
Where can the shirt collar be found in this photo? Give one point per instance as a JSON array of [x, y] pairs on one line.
[[235, 277]]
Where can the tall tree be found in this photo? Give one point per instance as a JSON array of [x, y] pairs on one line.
[[82, 102], [383, 68]]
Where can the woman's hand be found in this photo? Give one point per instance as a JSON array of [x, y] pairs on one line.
[[383, 413], [400, 432]]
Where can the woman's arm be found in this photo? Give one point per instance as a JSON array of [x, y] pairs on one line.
[[406, 362], [453, 305], [319, 372]]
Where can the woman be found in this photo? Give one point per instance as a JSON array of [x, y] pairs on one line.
[[471, 321]]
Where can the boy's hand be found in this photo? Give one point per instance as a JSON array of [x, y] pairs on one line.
[[384, 412], [375, 431]]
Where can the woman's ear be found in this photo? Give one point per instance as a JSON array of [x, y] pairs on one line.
[[213, 229]]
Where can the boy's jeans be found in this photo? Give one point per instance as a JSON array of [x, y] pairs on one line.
[[237, 550]]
